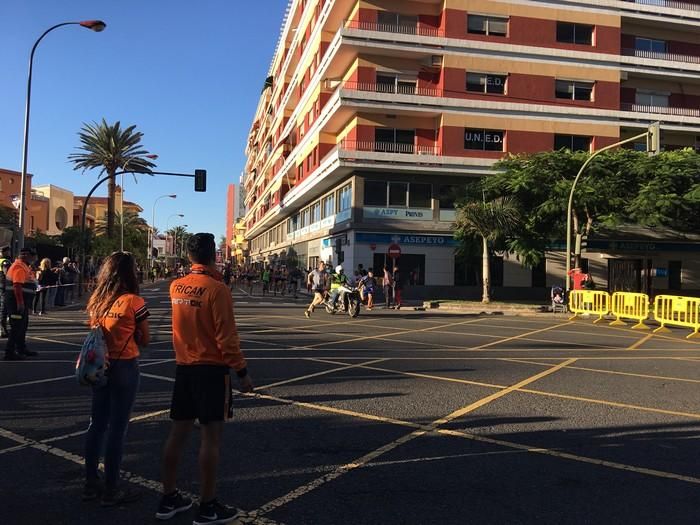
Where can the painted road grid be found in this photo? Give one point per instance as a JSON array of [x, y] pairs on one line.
[[396, 417]]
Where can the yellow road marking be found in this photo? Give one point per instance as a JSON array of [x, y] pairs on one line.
[[573, 457], [55, 341], [690, 415], [640, 342], [421, 431], [687, 359], [613, 372], [547, 328], [400, 332]]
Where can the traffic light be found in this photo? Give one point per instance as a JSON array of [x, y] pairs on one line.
[[654, 138], [200, 180]]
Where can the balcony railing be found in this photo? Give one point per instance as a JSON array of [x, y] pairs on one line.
[[389, 147], [394, 89], [418, 29], [672, 4], [671, 57], [662, 110]]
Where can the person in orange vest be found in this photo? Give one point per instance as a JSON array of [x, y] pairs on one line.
[[20, 287], [207, 348]]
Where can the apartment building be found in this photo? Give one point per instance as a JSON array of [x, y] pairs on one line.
[[375, 112]]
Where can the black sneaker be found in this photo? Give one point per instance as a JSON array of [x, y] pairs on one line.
[[114, 497], [92, 490], [14, 356], [215, 513], [173, 504]]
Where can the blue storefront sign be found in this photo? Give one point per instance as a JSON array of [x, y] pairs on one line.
[[405, 239]]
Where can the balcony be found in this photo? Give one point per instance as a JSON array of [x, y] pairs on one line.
[[671, 4], [393, 89], [670, 57], [389, 147], [661, 110], [401, 29]]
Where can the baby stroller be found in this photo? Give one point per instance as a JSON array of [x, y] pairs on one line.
[[558, 296]]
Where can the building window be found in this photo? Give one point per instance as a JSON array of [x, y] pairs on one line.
[[569, 33], [420, 196], [329, 206], [375, 193], [652, 98], [574, 90], [449, 194], [344, 198], [487, 25], [316, 212], [394, 140], [397, 23], [483, 139], [572, 142], [651, 45], [486, 83], [398, 194], [388, 83], [0, 184]]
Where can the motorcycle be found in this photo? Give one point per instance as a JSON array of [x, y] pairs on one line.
[[348, 301]]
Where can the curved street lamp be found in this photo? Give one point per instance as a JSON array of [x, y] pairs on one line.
[[167, 227], [93, 25]]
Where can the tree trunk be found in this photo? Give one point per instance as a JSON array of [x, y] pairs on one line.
[[485, 273], [111, 194]]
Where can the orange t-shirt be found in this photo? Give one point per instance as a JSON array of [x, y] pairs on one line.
[[120, 323], [204, 328]]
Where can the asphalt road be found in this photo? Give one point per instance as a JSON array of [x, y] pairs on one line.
[[396, 417]]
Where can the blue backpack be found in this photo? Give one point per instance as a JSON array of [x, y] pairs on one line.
[[92, 361]]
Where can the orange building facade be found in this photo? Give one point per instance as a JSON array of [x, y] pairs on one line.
[[375, 112]]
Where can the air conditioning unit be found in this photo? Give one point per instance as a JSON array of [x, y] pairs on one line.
[[436, 60]]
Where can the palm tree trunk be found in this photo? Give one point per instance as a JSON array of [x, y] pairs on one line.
[[111, 193], [485, 273]]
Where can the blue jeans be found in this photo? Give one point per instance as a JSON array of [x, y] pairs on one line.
[[111, 408]]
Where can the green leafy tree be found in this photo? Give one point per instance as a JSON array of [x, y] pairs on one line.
[[72, 239], [540, 185], [111, 148], [490, 221]]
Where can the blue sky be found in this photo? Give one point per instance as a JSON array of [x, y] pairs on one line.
[[187, 73]]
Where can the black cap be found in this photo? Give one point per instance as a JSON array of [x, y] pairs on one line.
[[27, 251]]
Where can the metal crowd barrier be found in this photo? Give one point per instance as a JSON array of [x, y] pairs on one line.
[[630, 306], [587, 302], [677, 311]]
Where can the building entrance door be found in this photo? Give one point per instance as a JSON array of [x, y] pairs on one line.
[[625, 275]]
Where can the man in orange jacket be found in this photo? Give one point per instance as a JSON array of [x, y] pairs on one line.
[[207, 347]]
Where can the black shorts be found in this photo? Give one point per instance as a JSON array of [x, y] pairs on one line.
[[202, 392]]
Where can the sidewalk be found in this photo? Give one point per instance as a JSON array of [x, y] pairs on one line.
[[492, 308]]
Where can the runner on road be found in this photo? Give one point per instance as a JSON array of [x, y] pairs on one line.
[[317, 283], [207, 347]]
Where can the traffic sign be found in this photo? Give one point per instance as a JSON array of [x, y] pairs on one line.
[[394, 251]]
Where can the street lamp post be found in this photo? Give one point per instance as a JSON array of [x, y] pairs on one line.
[[94, 25], [153, 222], [167, 226]]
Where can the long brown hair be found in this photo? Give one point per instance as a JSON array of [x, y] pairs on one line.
[[117, 277]]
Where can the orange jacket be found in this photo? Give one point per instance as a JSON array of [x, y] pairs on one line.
[[204, 328]]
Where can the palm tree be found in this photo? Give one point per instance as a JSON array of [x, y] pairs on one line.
[[490, 221], [111, 148], [132, 221], [178, 234]]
